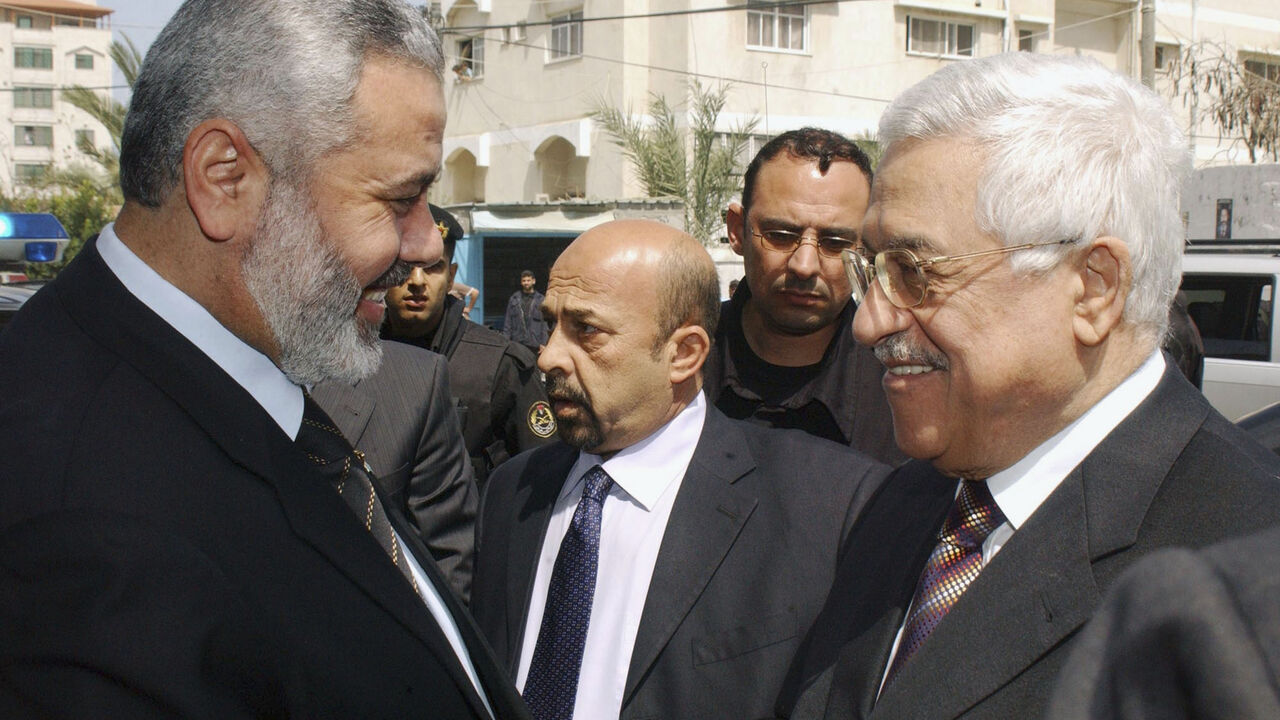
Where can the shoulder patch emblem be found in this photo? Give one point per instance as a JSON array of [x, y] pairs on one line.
[[541, 420]]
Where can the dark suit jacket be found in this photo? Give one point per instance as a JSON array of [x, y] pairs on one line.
[[748, 554], [166, 550], [1174, 472], [1183, 634], [402, 419]]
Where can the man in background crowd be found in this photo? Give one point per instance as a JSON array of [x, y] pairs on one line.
[[501, 401], [523, 322], [784, 353]]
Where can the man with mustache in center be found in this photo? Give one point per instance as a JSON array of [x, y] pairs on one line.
[[662, 560]]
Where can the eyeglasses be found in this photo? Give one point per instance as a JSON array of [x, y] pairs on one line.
[[787, 241], [903, 276]]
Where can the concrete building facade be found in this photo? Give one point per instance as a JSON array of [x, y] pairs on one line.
[[47, 46]]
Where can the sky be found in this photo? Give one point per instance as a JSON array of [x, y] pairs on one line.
[[141, 20]]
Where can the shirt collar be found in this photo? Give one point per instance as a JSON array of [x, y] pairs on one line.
[[1023, 486], [645, 470], [255, 372]]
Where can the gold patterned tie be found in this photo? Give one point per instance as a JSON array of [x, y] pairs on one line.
[[955, 562], [351, 476]]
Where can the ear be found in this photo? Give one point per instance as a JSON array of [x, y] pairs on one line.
[[1106, 276], [225, 180], [453, 273], [733, 219], [691, 346]]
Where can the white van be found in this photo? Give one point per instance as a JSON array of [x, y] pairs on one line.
[[1230, 290]]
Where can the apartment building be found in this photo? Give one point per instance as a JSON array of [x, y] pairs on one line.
[[47, 46], [526, 74]]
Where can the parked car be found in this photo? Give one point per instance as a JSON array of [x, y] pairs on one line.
[[1230, 290]]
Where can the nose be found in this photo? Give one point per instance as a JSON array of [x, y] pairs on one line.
[[553, 358], [805, 261], [877, 318], [417, 278], [420, 240]]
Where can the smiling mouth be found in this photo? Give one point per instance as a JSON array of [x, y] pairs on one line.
[[909, 369]]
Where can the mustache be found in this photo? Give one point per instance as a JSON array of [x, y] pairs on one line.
[[395, 275], [900, 349], [558, 388]]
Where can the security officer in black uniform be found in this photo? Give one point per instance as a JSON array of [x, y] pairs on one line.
[[784, 352], [495, 381]]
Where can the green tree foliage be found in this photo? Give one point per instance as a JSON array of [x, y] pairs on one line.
[[106, 110], [693, 163], [81, 208]]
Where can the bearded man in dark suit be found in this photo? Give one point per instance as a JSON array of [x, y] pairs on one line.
[[1018, 258], [188, 534]]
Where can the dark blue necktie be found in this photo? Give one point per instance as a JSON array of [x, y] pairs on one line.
[[552, 685]]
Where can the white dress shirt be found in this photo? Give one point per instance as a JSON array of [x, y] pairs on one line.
[[646, 479], [260, 377], [1022, 487]]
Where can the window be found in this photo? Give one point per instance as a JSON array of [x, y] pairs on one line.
[[470, 63], [84, 138], [25, 21], [1232, 313], [566, 36], [29, 172], [84, 61], [938, 37], [1026, 41], [29, 57], [777, 28], [1264, 69], [33, 135], [29, 97]]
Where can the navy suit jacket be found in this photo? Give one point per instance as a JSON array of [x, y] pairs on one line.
[[747, 556], [1184, 634], [166, 550], [1174, 472]]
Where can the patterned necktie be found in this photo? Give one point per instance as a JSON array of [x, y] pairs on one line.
[[345, 468], [552, 686], [955, 562]]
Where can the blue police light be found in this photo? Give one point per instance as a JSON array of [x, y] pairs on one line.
[[42, 251], [6, 225]]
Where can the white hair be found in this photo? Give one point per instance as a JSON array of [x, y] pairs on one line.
[[1072, 150]]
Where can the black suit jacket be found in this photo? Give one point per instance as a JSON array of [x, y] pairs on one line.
[[166, 550], [1183, 634], [402, 419], [747, 556], [1174, 472]]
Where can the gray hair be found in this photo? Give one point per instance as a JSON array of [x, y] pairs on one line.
[[284, 71], [1072, 150]]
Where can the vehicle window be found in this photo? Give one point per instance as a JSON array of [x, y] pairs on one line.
[[1233, 314]]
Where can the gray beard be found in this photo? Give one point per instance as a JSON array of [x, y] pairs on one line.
[[307, 294]]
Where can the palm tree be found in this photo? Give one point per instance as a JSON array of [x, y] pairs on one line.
[[701, 167], [106, 110]]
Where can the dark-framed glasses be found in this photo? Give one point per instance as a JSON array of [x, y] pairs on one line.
[[903, 277], [787, 241]]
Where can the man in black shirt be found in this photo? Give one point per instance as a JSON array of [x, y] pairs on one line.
[[785, 354], [502, 404], [523, 322]]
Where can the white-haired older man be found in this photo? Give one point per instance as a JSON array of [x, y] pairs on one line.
[[1020, 252]]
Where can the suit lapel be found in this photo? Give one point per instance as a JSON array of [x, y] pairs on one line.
[[535, 499], [239, 425], [349, 406], [709, 513], [1040, 588]]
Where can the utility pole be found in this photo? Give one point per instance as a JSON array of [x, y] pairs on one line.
[[1148, 46]]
